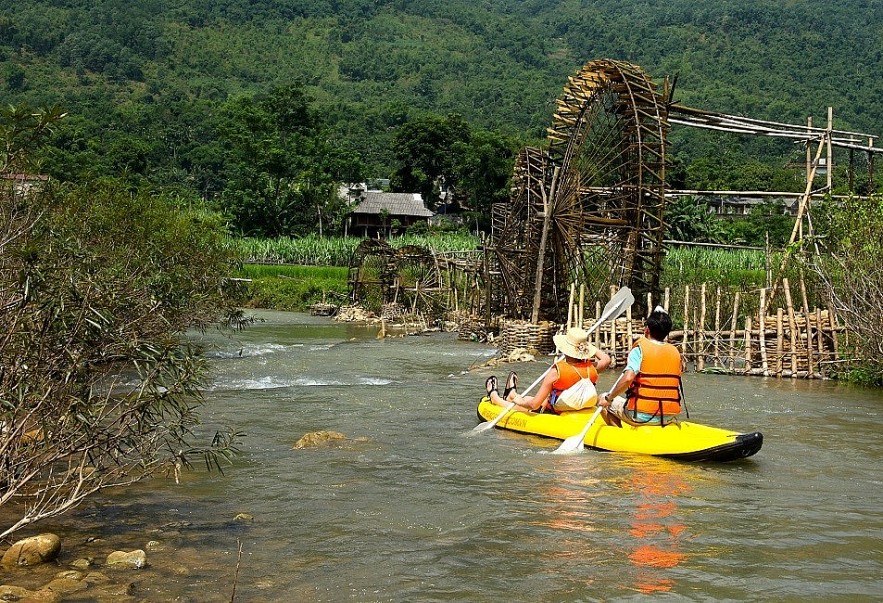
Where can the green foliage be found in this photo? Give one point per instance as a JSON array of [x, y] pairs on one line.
[[294, 287], [851, 271], [689, 219], [282, 170], [97, 286]]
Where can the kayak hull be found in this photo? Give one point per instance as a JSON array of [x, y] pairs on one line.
[[683, 441]]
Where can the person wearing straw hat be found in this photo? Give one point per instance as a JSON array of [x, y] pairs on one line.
[[648, 392], [580, 360]]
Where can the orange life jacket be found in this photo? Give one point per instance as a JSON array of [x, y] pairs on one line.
[[569, 374], [656, 390]]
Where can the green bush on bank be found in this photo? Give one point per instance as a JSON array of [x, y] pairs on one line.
[[295, 288]]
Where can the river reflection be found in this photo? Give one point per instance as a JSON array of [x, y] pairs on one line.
[[408, 509]]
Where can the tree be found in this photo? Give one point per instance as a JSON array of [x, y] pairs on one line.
[[282, 169], [852, 274], [98, 385], [688, 219], [483, 167], [425, 150]]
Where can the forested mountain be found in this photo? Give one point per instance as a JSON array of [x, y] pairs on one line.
[[148, 81]]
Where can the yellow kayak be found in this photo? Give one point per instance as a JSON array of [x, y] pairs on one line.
[[683, 440]]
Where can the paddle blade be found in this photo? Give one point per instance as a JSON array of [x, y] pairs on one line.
[[571, 444], [490, 424], [576, 443]]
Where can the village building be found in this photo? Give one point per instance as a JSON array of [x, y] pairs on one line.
[[380, 214], [23, 184]]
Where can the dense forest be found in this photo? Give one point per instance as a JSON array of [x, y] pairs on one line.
[[266, 103]]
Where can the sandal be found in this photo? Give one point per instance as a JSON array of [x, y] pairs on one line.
[[511, 384], [491, 384]]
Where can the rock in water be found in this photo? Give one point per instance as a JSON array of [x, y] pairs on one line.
[[317, 438]]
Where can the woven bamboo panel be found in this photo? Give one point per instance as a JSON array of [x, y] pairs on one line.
[[519, 334]]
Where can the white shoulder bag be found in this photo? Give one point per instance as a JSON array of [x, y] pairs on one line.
[[578, 396]]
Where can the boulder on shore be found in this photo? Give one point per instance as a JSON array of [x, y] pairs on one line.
[[32, 551]]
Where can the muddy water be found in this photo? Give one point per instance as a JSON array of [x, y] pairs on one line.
[[411, 509]]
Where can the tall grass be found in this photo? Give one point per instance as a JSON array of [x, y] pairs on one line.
[[729, 268], [334, 251]]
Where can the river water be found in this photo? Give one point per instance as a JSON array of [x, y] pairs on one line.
[[411, 507]]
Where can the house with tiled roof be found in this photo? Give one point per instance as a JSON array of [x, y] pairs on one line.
[[382, 214]]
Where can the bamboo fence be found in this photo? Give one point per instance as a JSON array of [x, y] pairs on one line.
[[718, 332]]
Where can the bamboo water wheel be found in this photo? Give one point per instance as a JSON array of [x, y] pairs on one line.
[[589, 209], [394, 282]]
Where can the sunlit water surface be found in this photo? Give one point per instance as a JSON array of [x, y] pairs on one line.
[[411, 508]]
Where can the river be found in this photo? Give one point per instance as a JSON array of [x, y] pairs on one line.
[[412, 507]]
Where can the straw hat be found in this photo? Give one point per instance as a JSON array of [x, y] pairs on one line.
[[575, 343]]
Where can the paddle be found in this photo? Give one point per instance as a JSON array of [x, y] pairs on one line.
[[616, 306], [575, 443]]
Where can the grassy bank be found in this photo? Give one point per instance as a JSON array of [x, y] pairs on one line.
[[287, 287]]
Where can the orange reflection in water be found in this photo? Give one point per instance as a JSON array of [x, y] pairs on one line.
[[655, 524]]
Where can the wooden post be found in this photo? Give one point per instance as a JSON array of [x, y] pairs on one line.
[[667, 297], [613, 339], [809, 334], [686, 321], [830, 160], [700, 361], [733, 324], [780, 342], [547, 221], [761, 337], [629, 334], [582, 302], [747, 344], [717, 327], [820, 340], [570, 305], [597, 329], [792, 326], [832, 322], [649, 303]]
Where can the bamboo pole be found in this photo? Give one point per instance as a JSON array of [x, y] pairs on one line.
[[701, 333], [792, 325], [582, 301], [830, 159], [733, 322], [780, 341], [832, 322], [649, 303], [629, 333], [667, 298], [686, 320], [570, 305], [717, 327], [820, 339], [809, 335], [761, 315], [597, 330], [747, 344]]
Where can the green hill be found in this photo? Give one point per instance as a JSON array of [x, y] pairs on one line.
[[144, 80]]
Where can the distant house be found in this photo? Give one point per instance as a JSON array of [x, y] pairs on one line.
[[23, 184], [735, 206], [379, 213]]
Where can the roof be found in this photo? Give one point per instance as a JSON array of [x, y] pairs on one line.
[[396, 204]]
